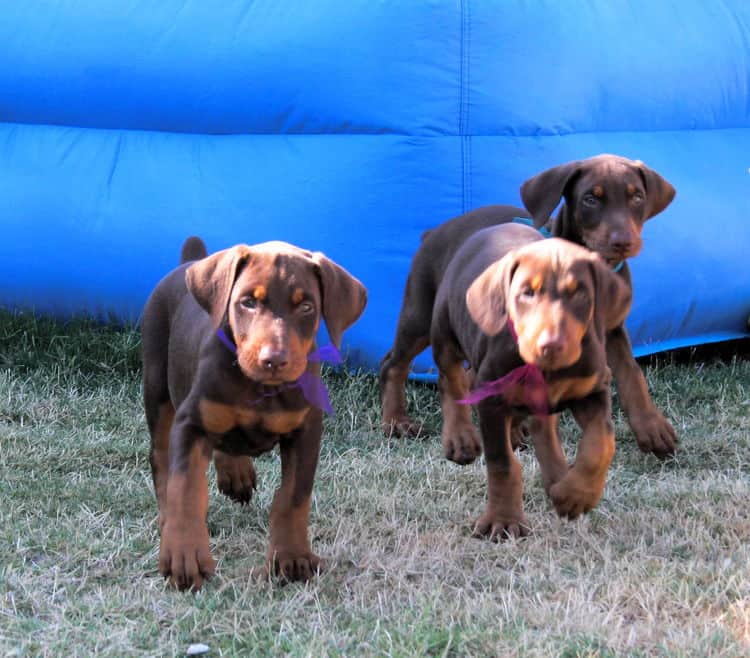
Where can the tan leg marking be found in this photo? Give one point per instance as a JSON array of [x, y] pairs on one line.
[[395, 420], [583, 485], [184, 553]]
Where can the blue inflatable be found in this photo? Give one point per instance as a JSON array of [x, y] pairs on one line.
[[351, 127]]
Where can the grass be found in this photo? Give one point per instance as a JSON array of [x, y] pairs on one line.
[[661, 567]]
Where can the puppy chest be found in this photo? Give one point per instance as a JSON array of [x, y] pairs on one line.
[[571, 388], [246, 429]]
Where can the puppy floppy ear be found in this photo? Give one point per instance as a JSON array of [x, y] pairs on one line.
[[487, 296], [210, 279], [542, 193], [344, 297], [659, 191], [613, 295]]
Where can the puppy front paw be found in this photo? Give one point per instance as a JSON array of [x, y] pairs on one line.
[[498, 526], [573, 495], [184, 555]]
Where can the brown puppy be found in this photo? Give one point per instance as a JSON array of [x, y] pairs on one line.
[[509, 298], [203, 399], [606, 201]]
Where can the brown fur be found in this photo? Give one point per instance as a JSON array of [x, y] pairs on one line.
[[491, 312], [202, 400], [606, 201]]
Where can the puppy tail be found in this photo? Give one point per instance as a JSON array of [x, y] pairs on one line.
[[193, 249]]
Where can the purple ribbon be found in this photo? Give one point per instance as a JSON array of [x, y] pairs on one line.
[[527, 376], [312, 386]]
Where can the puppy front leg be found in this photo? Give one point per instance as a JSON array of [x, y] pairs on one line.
[[184, 553], [503, 517], [583, 485], [653, 432], [289, 554]]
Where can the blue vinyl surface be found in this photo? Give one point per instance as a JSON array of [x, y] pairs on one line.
[[350, 128]]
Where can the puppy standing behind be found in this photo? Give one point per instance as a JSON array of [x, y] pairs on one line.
[[509, 298], [606, 200], [225, 341]]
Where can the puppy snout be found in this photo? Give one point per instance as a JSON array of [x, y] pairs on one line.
[[622, 242], [272, 358], [550, 344]]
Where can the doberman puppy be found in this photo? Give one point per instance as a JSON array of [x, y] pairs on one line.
[[606, 200], [508, 302], [226, 340]]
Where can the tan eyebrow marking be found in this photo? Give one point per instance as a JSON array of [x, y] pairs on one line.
[[536, 282], [297, 295], [630, 188], [259, 292], [598, 191], [569, 285]]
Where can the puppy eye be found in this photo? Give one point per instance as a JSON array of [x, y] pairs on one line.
[[637, 198], [306, 307], [249, 302], [589, 200], [528, 292]]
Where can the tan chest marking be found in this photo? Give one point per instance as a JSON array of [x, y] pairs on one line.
[[571, 388], [219, 418], [283, 422]]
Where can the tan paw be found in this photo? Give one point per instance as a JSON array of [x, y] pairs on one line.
[[497, 526], [236, 478], [462, 444], [184, 555], [402, 427], [573, 495], [654, 433], [289, 565]]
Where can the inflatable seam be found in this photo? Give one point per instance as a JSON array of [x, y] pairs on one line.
[[465, 105]]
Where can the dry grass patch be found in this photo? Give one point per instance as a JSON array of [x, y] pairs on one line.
[[661, 567]]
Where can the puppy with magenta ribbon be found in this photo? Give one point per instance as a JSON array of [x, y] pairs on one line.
[[529, 316]]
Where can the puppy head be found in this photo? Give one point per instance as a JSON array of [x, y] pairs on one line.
[[272, 297], [554, 293], [608, 197]]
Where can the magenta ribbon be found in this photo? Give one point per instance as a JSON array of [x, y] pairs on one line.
[[312, 386], [530, 377]]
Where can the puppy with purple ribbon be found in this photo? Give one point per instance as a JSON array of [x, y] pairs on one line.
[[230, 371], [530, 317]]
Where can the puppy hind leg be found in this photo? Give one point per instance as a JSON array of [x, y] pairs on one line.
[[548, 449], [394, 371], [235, 476], [461, 442]]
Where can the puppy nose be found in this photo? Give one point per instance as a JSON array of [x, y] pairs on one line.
[[621, 242], [549, 344], [272, 358]]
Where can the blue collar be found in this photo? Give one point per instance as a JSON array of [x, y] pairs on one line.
[[546, 234], [527, 221]]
